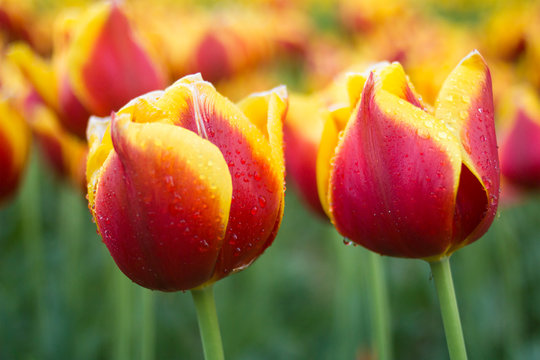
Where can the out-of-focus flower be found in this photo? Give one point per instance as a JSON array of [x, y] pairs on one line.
[[20, 20], [505, 31], [402, 180], [302, 135], [14, 133], [185, 186], [98, 64], [224, 43], [63, 151], [56, 93], [520, 145], [529, 66], [107, 62], [368, 15], [14, 145], [428, 52]]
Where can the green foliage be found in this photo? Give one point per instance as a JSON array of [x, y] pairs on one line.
[[305, 298]]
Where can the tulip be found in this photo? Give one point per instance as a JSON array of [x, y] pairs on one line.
[[407, 182], [186, 188], [107, 62], [403, 180], [520, 152], [14, 146], [302, 133], [64, 152], [98, 64], [209, 198]]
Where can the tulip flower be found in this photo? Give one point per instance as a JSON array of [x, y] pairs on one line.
[[520, 152], [98, 64], [302, 134], [107, 62], [185, 186], [14, 146], [63, 151], [404, 180], [210, 193], [407, 182]]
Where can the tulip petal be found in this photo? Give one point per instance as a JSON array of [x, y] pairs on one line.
[[392, 78], [465, 104], [169, 192], [65, 152], [520, 152], [14, 146], [256, 168], [302, 133], [395, 172], [38, 72], [72, 113], [107, 63]]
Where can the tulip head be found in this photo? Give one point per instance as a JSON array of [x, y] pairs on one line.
[[520, 147], [407, 181], [107, 62], [64, 152], [185, 186]]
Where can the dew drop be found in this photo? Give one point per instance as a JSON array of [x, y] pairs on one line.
[[346, 241], [254, 210], [262, 201]]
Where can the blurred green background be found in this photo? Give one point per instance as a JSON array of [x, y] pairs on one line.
[[305, 298]]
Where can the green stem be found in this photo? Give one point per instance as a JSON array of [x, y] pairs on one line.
[[70, 230], [508, 253], [30, 204], [147, 325], [442, 276], [122, 298], [380, 308], [208, 322], [348, 316]]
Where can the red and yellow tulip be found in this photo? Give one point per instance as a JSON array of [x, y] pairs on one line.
[[63, 151], [14, 146], [98, 64], [520, 146], [107, 62], [185, 186], [406, 180]]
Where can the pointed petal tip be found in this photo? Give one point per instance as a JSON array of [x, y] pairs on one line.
[[474, 58]]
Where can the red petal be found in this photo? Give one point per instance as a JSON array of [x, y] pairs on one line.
[[117, 68], [520, 152]]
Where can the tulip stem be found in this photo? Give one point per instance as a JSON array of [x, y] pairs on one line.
[[30, 205], [380, 308], [208, 322], [444, 284], [148, 324]]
